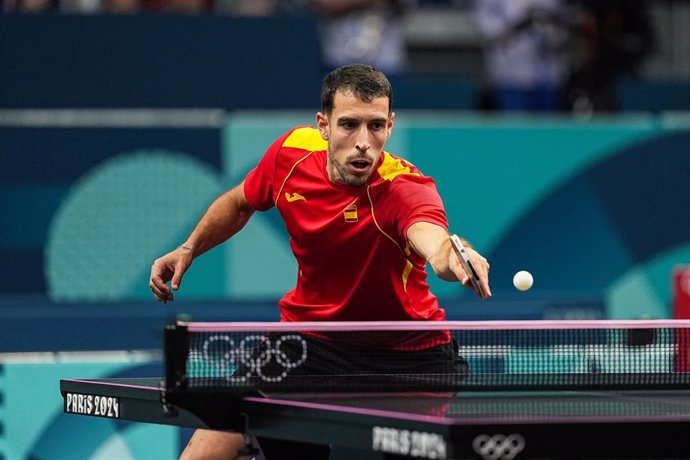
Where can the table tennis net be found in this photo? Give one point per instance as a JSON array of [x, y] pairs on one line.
[[519, 358]]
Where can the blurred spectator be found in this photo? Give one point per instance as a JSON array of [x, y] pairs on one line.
[[30, 6], [364, 31], [247, 7], [614, 36], [110, 6], [157, 6], [178, 6], [524, 51], [121, 6]]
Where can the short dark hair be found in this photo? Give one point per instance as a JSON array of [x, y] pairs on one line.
[[363, 81]]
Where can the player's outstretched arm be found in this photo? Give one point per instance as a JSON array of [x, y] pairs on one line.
[[227, 215], [432, 242]]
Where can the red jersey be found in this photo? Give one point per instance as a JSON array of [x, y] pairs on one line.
[[354, 260]]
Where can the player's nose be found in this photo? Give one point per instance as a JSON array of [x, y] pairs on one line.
[[363, 143]]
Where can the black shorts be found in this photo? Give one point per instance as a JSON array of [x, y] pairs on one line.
[[308, 363], [303, 362]]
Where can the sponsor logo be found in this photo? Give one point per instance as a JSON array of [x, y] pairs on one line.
[[498, 446], [96, 405], [411, 443], [294, 197]]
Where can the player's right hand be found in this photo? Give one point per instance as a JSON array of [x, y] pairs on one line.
[[169, 268], [481, 266]]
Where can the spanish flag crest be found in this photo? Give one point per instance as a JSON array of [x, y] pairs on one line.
[[350, 213]]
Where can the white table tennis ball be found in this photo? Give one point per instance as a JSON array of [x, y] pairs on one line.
[[523, 280]]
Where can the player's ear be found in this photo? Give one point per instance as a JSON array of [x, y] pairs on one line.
[[322, 125], [390, 122]]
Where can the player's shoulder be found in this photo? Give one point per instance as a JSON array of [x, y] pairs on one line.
[[305, 138], [394, 168]]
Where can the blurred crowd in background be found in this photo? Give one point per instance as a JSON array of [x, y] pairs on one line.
[[537, 55]]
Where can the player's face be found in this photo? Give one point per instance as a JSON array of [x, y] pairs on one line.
[[356, 132]]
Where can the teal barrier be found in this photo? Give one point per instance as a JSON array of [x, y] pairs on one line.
[[34, 425]]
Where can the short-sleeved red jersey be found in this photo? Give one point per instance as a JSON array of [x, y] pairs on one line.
[[354, 260]]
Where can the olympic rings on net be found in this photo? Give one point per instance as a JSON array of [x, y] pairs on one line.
[[253, 354]]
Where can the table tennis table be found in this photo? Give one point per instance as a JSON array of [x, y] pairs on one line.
[[472, 424]]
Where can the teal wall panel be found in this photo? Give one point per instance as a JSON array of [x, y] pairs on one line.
[[521, 189], [524, 191]]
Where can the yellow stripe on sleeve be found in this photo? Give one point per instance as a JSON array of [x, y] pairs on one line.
[[307, 139], [393, 167]]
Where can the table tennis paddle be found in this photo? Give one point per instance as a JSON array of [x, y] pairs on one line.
[[464, 259]]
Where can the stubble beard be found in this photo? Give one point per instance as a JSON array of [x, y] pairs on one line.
[[349, 179]]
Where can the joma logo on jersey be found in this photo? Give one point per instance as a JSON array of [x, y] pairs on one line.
[[294, 197], [350, 213]]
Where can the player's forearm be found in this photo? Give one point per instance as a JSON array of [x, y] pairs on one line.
[[431, 242], [227, 215], [440, 262]]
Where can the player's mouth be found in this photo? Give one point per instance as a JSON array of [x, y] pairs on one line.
[[360, 165]]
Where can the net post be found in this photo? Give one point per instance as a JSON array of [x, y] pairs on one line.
[[176, 348]]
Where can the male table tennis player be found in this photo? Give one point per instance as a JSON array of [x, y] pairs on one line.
[[362, 222]]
